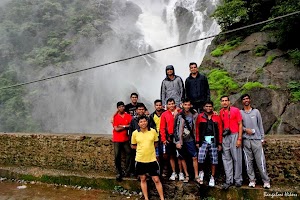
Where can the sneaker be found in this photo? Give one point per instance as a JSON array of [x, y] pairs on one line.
[[181, 176], [225, 186], [173, 176], [267, 185], [201, 176], [211, 182], [252, 184]]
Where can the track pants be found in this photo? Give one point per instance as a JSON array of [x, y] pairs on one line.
[[253, 150], [232, 159]]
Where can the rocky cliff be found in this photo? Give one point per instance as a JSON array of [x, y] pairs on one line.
[[268, 74]]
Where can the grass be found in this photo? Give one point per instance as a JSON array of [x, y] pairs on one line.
[[221, 49], [294, 87], [250, 85], [295, 56], [260, 50], [270, 59]]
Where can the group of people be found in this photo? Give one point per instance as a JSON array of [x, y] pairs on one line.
[[184, 126]]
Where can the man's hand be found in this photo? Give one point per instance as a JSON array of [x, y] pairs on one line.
[[178, 146], [165, 142], [249, 131], [238, 143], [198, 145], [219, 147]]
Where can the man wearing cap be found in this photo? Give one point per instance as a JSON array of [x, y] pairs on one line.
[[172, 87], [120, 138], [197, 88]]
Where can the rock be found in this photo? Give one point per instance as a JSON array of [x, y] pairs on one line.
[[290, 120]]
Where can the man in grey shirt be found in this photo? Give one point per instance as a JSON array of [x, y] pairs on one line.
[[253, 139]]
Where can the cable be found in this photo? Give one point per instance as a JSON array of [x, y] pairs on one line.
[[152, 52]]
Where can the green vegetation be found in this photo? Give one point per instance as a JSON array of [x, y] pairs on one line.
[[273, 87], [237, 13], [259, 70], [294, 87], [250, 85], [270, 59], [221, 83], [260, 50], [295, 56], [221, 49]]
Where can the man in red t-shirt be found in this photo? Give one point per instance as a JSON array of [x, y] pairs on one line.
[[232, 140], [120, 138]]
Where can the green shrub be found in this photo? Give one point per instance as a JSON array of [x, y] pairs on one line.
[[259, 70], [249, 85], [294, 87], [295, 56], [221, 49], [273, 87], [260, 50], [270, 59], [221, 84]]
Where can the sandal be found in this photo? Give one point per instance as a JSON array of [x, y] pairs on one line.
[[186, 179], [198, 180]]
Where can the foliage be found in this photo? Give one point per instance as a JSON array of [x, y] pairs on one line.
[[221, 49], [272, 87], [294, 55], [294, 87], [221, 83], [250, 85], [270, 59], [260, 50]]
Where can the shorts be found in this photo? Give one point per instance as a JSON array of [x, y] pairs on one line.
[[187, 149], [170, 148], [151, 168], [213, 153]]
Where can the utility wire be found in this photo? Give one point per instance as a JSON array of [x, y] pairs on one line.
[[152, 52]]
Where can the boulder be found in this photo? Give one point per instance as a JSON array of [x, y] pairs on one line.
[[290, 120]]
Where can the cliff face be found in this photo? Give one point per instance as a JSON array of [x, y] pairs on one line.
[[255, 60]]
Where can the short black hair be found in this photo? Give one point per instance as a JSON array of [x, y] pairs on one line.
[[134, 94], [193, 63], [142, 117], [245, 95], [224, 97], [186, 100], [209, 102], [140, 105], [157, 101], [170, 100]]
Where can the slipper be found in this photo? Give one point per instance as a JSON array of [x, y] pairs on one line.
[[186, 179], [198, 180]]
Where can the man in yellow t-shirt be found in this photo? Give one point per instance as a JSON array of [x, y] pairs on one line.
[[144, 141]]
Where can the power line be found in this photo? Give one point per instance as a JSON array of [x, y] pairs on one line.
[[152, 52]]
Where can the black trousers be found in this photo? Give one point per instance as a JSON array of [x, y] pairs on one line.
[[118, 147]]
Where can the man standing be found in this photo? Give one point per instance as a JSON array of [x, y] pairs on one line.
[[172, 87], [232, 141], [144, 141], [253, 138], [120, 138], [197, 88], [185, 132], [131, 107], [209, 139], [167, 134]]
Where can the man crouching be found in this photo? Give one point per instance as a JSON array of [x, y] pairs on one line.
[[144, 140]]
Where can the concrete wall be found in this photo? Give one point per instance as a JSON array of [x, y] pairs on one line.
[[87, 153]]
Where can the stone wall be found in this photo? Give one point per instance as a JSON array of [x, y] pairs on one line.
[[94, 153]]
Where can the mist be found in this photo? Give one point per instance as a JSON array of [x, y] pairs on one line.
[[85, 102]]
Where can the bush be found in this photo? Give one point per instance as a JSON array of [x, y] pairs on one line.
[[221, 83], [294, 87], [250, 85], [260, 50], [294, 55], [221, 49], [270, 59]]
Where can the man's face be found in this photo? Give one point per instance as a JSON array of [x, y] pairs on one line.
[[121, 109], [225, 102], [143, 123], [171, 105], [158, 106], [208, 108], [134, 99], [193, 69], [140, 111], [246, 101], [186, 106], [170, 72]]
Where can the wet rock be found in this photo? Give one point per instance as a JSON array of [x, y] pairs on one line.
[[290, 120]]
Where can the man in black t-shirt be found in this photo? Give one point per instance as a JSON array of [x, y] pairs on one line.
[[131, 107]]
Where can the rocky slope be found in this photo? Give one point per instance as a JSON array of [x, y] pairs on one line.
[[272, 70]]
